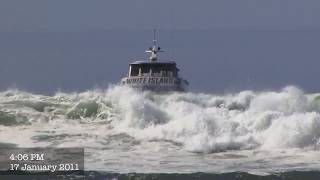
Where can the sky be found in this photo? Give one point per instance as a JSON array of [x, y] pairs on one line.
[[88, 15], [219, 45]]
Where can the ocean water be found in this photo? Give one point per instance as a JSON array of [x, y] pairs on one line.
[[127, 131]]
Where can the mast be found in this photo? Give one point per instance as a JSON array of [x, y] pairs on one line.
[[154, 49]]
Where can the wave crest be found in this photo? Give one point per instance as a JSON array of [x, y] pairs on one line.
[[200, 122]]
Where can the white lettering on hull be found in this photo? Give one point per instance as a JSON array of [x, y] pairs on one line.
[[152, 80]]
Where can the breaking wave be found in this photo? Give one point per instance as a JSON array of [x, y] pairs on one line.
[[198, 122]]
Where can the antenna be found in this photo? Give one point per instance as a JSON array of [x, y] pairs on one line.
[[154, 37], [154, 49]]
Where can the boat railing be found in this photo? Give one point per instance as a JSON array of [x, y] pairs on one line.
[[158, 74]]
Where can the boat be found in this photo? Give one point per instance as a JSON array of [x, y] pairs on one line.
[[155, 74]]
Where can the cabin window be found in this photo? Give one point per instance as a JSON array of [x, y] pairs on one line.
[[145, 70], [134, 71], [154, 70]]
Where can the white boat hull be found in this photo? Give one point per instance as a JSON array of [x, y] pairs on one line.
[[156, 83]]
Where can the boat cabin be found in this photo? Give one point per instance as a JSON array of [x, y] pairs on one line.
[[156, 69]]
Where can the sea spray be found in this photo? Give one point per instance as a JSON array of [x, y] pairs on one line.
[[199, 122]]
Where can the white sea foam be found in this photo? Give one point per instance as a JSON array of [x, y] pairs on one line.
[[206, 123]]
